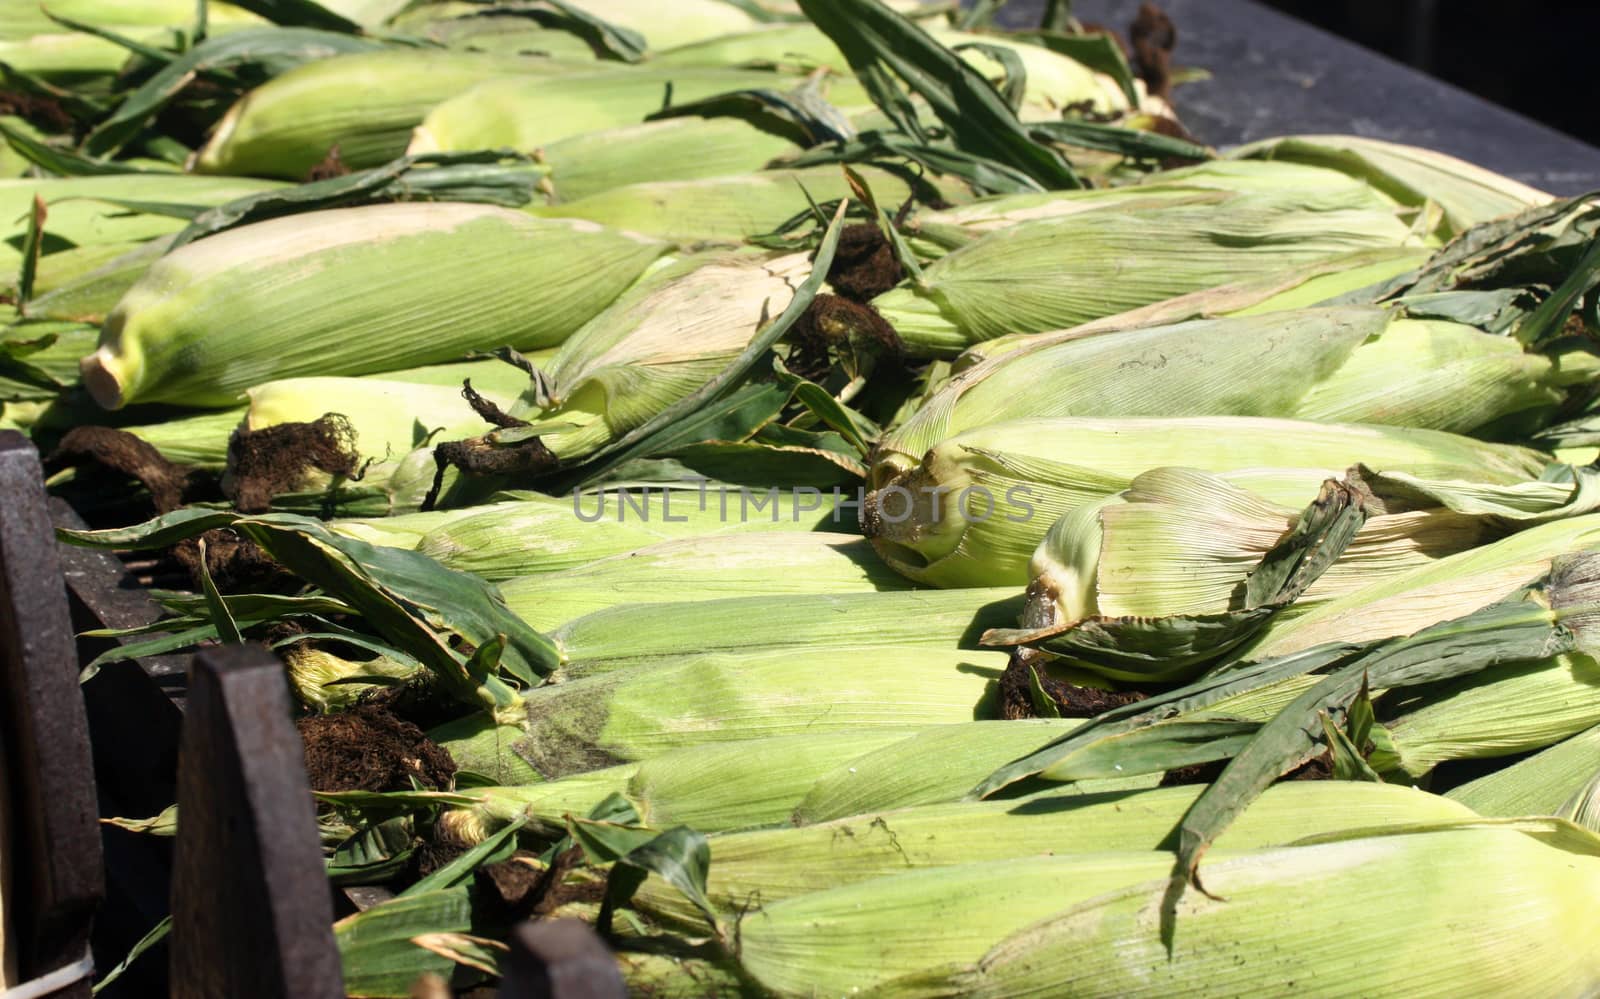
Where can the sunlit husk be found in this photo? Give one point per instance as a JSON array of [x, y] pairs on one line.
[[703, 698], [366, 104], [526, 114], [1514, 908], [1466, 194], [326, 293], [1183, 542], [782, 863], [543, 534], [1002, 486], [694, 569], [1542, 784], [658, 343], [641, 634]]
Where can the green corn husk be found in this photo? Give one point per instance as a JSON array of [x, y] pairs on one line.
[[200, 440], [1297, 288], [1501, 710], [24, 20], [776, 864], [734, 208], [1055, 273], [936, 766], [849, 939], [55, 347], [642, 634], [1034, 471], [658, 343], [699, 699], [662, 26], [1550, 782], [12, 163], [547, 534], [1053, 81], [477, 30], [322, 681], [1179, 541], [693, 569], [76, 219], [547, 804], [32, 43], [527, 114], [89, 297], [674, 149], [386, 412], [1349, 365], [714, 787], [365, 103], [63, 270], [367, 13], [322, 293], [1513, 906], [1448, 588], [932, 234], [390, 416], [406, 530], [1464, 194], [662, 976], [1498, 712]]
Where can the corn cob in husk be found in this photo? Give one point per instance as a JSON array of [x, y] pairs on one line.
[[730, 209], [674, 149], [1501, 711], [776, 864], [1439, 591], [662, 26], [1053, 82], [383, 410], [406, 530], [477, 30], [527, 114], [365, 103], [1546, 783], [977, 506], [1463, 193], [662, 976], [89, 295], [713, 787], [546, 534], [323, 293], [642, 634], [323, 681], [938, 765], [546, 803], [32, 43], [381, 426], [698, 699], [658, 343], [934, 233], [1180, 541], [1297, 288], [1512, 904], [693, 569], [79, 220], [1504, 709], [1055, 273], [1346, 365], [25, 20]]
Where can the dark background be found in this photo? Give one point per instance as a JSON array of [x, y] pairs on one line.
[[1537, 58], [1513, 85]]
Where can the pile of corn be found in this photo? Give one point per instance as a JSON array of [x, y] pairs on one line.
[[852, 534]]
